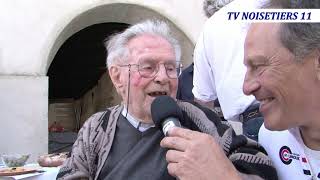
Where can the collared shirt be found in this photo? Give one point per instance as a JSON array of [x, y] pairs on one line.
[[218, 60], [289, 154], [138, 124]]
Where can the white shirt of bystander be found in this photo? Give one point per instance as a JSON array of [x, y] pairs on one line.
[[218, 60]]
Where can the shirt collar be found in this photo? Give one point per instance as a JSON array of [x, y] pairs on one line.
[[135, 122]]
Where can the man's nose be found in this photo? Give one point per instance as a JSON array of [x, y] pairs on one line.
[[250, 84], [162, 75]]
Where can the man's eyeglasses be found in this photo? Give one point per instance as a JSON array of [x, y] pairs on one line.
[[149, 69]]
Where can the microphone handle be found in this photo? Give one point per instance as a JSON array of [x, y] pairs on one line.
[[168, 123]]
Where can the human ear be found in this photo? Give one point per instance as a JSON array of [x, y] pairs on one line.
[[115, 76]]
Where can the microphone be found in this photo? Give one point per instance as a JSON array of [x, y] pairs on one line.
[[165, 113]]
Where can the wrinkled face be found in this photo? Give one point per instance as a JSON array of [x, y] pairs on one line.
[[144, 90], [284, 87]]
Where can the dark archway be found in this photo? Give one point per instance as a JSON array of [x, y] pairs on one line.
[[80, 62], [79, 84]]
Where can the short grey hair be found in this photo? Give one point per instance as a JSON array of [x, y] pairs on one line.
[[117, 48], [212, 6], [301, 39]]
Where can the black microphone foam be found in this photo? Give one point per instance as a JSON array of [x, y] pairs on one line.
[[164, 107]]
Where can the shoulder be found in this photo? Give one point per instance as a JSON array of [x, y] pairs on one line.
[[95, 119], [99, 117], [197, 117], [99, 121]]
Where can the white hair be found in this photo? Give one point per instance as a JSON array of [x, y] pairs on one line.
[[116, 45]]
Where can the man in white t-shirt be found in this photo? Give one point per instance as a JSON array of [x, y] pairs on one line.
[[283, 73], [219, 70]]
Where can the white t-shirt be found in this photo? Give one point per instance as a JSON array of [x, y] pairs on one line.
[[292, 159], [218, 60]]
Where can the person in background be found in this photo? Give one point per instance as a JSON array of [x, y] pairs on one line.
[[185, 84], [212, 6], [186, 78], [283, 73], [219, 70], [123, 143]]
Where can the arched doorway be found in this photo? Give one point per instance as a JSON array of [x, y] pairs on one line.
[[106, 13]]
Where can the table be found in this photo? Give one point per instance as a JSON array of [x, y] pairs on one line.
[[50, 173]]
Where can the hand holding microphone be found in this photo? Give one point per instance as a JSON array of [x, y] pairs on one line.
[[191, 155]]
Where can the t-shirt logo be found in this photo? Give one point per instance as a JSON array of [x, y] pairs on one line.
[[286, 155]]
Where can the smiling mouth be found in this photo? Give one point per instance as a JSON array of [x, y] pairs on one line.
[[266, 100], [266, 104], [157, 93]]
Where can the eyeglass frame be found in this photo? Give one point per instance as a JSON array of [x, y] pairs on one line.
[[178, 69]]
